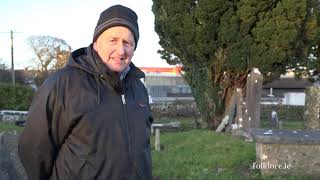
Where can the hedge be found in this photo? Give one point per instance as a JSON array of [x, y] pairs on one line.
[[15, 97], [285, 112]]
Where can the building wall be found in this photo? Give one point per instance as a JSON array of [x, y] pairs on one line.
[[294, 98], [164, 80], [167, 87]]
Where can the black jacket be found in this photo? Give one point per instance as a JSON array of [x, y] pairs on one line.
[[85, 123]]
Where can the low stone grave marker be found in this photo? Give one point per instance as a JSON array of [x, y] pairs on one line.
[[172, 126], [287, 152]]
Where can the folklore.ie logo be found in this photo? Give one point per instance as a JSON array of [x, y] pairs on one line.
[[267, 165]]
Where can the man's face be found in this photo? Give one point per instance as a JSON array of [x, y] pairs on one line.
[[115, 47]]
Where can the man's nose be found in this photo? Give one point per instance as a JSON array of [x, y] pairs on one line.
[[121, 49]]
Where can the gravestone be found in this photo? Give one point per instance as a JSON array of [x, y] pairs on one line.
[[248, 109], [287, 152], [312, 108], [233, 113], [240, 109], [244, 114], [252, 102], [169, 127]]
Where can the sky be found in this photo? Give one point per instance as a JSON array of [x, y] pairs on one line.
[[73, 21]]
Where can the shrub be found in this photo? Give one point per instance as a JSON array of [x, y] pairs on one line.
[[285, 112], [15, 97]]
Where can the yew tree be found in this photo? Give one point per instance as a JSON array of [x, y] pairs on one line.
[[218, 42]]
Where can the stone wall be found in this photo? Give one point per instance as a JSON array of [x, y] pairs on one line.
[[185, 109], [173, 109], [12, 116], [284, 112], [168, 109]]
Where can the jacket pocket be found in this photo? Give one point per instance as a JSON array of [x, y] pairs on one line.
[[89, 167]]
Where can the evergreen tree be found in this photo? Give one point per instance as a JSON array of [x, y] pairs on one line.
[[218, 42]]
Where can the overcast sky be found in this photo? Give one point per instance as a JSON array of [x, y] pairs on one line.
[[71, 20]]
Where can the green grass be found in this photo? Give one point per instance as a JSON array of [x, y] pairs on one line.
[[204, 154], [199, 154], [6, 126], [288, 124], [188, 123], [293, 124]]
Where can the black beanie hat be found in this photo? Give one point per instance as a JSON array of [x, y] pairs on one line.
[[117, 16]]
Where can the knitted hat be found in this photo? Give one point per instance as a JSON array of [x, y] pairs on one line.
[[117, 16]]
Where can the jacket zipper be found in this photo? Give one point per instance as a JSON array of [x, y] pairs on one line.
[[131, 155]]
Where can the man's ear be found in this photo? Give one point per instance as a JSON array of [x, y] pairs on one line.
[[95, 46]]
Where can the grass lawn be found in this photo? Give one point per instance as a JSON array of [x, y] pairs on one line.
[[199, 154], [188, 123], [289, 124], [6, 126], [204, 154]]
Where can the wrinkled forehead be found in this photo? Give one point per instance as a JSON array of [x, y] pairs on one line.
[[118, 32]]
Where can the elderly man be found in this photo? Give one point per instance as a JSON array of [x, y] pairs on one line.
[[91, 119]]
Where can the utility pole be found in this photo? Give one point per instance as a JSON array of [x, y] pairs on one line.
[[12, 63]]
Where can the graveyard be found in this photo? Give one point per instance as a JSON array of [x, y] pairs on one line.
[[264, 142], [223, 112], [191, 153], [253, 141], [203, 154]]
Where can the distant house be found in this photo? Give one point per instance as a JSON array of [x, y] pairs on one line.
[[167, 84], [286, 91]]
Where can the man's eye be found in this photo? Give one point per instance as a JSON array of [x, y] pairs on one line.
[[112, 41], [128, 44]]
